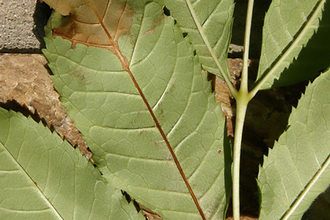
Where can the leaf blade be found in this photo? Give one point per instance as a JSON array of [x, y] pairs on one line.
[[179, 113], [313, 59], [216, 20], [55, 176], [295, 161], [284, 35]]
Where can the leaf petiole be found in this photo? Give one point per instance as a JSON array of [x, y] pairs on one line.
[[242, 99], [242, 103]]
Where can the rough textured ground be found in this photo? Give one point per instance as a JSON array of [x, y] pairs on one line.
[[21, 25]]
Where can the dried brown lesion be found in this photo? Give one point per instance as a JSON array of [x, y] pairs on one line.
[[81, 24], [224, 96], [25, 80]]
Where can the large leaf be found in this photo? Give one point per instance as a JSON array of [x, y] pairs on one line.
[[215, 18], [43, 177], [297, 169], [287, 28], [104, 103]]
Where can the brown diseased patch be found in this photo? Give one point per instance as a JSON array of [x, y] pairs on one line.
[[79, 78], [224, 96], [82, 25], [25, 80]]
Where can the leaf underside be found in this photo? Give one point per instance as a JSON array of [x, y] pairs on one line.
[[43, 177], [288, 26], [313, 59], [300, 158], [216, 18], [107, 109]]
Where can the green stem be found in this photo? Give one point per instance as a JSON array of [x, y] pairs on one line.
[[242, 99], [244, 78], [242, 103]]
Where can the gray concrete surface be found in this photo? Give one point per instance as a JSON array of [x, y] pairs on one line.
[[21, 25]]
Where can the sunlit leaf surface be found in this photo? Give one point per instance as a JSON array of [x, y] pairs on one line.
[[106, 107], [215, 17], [298, 166], [43, 177], [287, 28]]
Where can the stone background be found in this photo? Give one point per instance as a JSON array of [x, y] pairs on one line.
[[21, 25]]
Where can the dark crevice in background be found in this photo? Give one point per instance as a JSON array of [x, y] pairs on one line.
[[259, 11], [14, 106], [40, 17]]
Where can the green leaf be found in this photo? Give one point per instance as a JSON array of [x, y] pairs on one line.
[[128, 148], [216, 18], [313, 59], [287, 28], [43, 177], [297, 168]]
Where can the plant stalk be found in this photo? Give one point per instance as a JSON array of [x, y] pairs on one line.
[[245, 75], [240, 117], [242, 100]]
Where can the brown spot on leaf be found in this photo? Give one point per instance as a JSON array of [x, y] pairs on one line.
[[83, 26], [157, 22], [79, 77]]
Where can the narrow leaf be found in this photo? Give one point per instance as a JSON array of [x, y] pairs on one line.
[[313, 59], [104, 103], [297, 169], [43, 177], [287, 28], [215, 17]]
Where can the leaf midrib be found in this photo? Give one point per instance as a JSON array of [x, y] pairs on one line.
[[126, 67], [22, 170]]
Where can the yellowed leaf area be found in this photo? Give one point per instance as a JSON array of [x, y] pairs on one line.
[[82, 26]]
